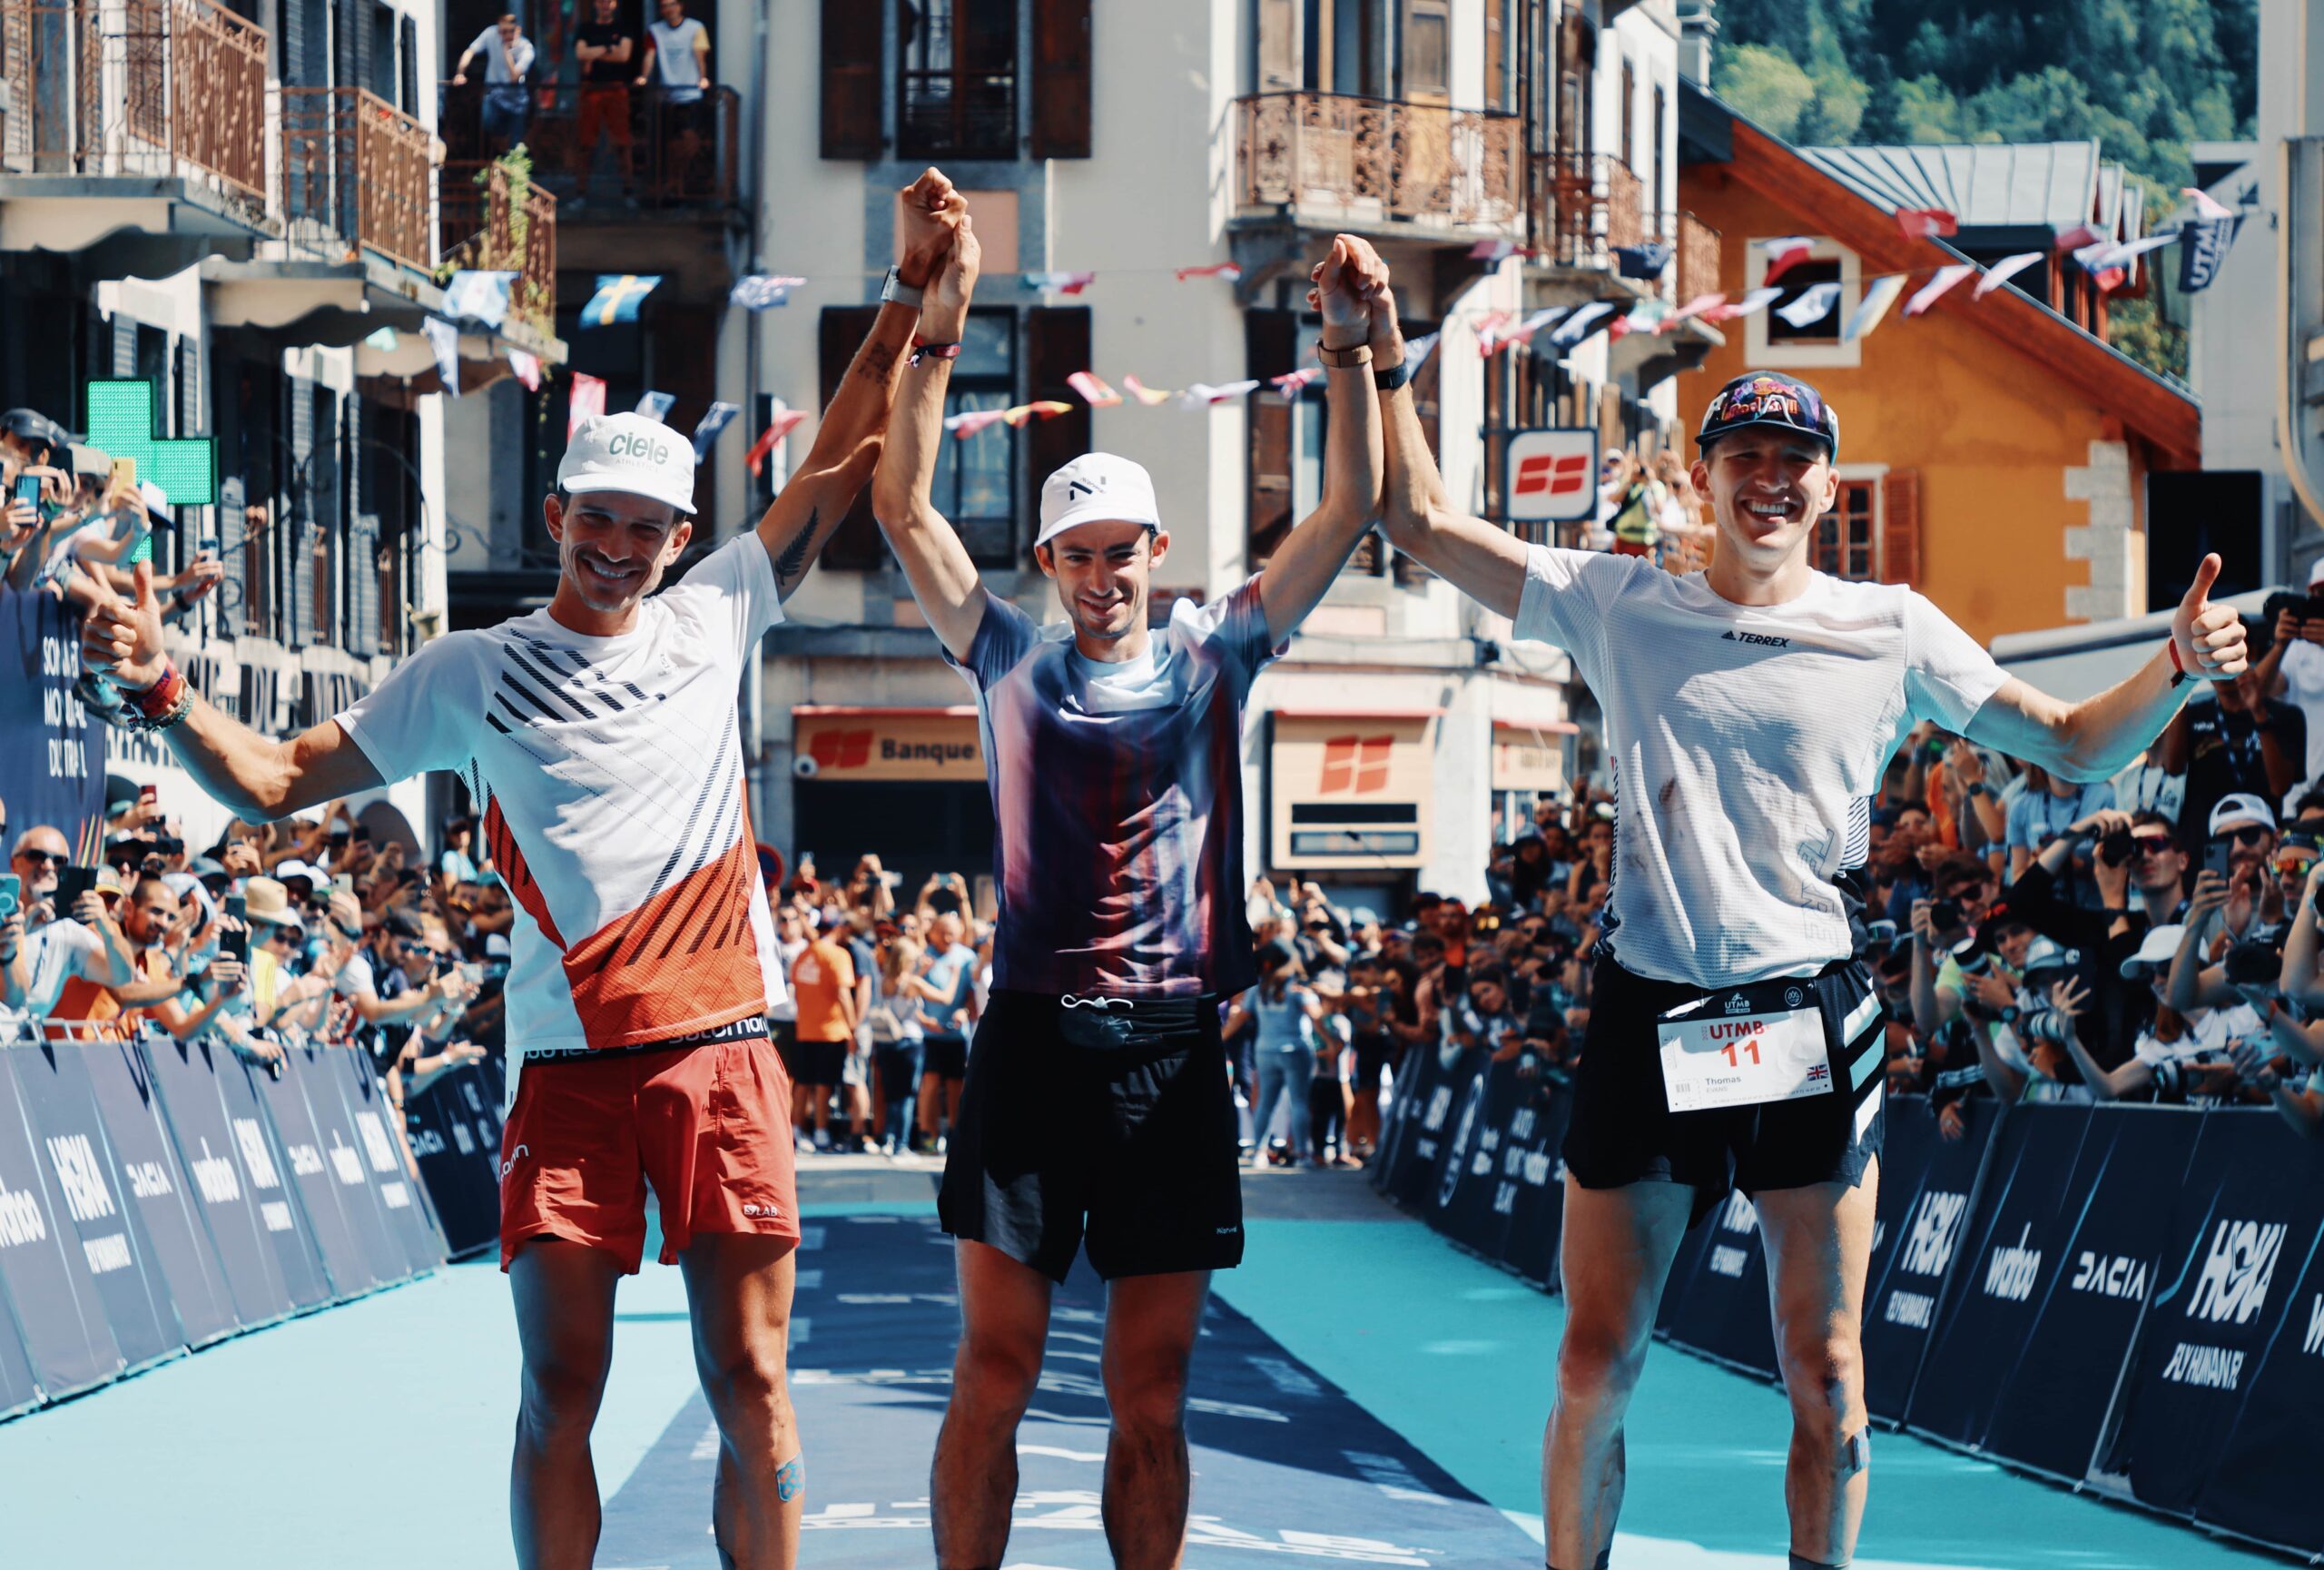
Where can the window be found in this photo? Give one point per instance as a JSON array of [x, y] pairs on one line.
[[1428, 28], [1628, 110], [976, 479], [1772, 341], [1847, 538], [1796, 280], [957, 92], [1501, 54], [1669, 221]]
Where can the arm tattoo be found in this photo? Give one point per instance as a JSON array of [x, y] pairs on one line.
[[789, 1479], [875, 362], [791, 565]]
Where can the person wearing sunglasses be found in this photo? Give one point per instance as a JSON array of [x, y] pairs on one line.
[[57, 948]]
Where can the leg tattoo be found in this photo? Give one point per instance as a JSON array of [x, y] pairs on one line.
[[789, 1479]]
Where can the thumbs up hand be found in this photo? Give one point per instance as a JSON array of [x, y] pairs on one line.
[[2209, 638], [122, 639]]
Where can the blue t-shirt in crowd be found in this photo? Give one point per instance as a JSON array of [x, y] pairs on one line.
[[1118, 802], [1283, 1023], [952, 974], [2036, 817]]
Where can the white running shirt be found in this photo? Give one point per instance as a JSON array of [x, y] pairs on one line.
[[611, 771], [1748, 743]]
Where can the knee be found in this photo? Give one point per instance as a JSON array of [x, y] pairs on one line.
[[995, 1374], [1597, 1365], [1150, 1397], [558, 1401], [746, 1388], [1823, 1374]]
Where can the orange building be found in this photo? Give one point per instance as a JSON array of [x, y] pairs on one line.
[[1994, 453]]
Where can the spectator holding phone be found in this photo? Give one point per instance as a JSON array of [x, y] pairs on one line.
[[2243, 744], [77, 948], [2138, 872], [2293, 666]]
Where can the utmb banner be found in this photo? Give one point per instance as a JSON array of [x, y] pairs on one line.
[[51, 754]]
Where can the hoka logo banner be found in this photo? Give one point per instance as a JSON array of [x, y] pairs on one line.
[[251, 1139], [86, 1193], [2234, 1281], [1739, 1215], [1936, 1230]]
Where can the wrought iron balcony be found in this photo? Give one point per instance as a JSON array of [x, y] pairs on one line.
[[1586, 205], [612, 148], [357, 169], [139, 88], [1330, 160], [492, 221]]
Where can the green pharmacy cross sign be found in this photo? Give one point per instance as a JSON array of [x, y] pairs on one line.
[[123, 423]]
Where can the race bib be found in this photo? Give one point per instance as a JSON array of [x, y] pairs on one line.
[[1721, 1051]]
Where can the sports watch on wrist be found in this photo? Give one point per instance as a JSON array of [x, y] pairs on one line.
[[893, 290]]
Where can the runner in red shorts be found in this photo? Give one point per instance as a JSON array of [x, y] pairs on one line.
[[599, 738]]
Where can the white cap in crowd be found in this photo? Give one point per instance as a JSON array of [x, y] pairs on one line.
[[2241, 807], [1096, 486], [2160, 944], [631, 454]]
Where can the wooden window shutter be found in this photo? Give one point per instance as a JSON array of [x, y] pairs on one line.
[[1271, 341], [1496, 57], [1278, 45], [1057, 344], [1060, 78], [1900, 526], [851, 79], [840, 333]]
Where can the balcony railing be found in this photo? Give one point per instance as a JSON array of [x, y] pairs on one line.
[[957, 114], [614, 146], [1347, 160], [359, 169], [491, 220], [137, 87], [1585, 206], [1698, 258]]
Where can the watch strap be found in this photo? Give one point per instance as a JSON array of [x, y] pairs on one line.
[[1351, 358], [1393, 377], [894, 290]]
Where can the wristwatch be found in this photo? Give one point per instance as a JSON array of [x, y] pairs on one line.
[[894, 290], [1389, 378], [1351, 358], [2009, 1013]]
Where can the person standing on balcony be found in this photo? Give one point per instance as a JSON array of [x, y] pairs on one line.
[[605, 46], [600, 732], [677, 62], [507, 63]]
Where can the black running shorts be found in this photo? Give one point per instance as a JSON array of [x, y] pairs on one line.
[[819, 1064], [945, 1055], [1102, 1118], [1622, 1130]]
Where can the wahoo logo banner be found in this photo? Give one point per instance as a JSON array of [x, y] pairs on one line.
[[2043, 1166], [95, 1210], [67, 1337], [1900, 1310], [185, 1080], [2050, 1412], [189, 1272], [2240, 1235], [310, 1185], [2263, 1483], [265, 1173]]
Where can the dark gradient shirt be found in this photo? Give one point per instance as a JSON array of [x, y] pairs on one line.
[[1118, 802]]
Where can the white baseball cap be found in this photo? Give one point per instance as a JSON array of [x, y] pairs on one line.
[[2239, 808], [1094, 487], [2160, 944], [628, 452]]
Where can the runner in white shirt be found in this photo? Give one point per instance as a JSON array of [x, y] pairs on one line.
[[599, 735], [1750, 712]]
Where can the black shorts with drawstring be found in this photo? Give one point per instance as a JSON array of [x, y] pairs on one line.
[[1623, 1131], [1108, 1121]]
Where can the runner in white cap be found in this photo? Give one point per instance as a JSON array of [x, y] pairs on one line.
[[1750, 713], [1098, 1104], [599, 736]]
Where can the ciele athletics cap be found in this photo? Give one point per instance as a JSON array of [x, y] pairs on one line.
[[630, 453]]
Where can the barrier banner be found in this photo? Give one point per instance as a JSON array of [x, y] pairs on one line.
[[68, 1339], [2264, 1482], [2244, 1225], [264, 1172], [401, 1197], [94, 1211], [185, 1079], [1532, 1160], [1722, 1311], [53, 770], [1451, 1077], [2052, 1411], [18, 1390], [2046, 1156], [1468, 1180], [314, 1187], [1900, 1307], [1683, 1265], [1418, 1078], [1908, 1134], [313, 1069], [462, 1174], [121, 1082]]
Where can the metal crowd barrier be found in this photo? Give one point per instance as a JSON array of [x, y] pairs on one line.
[[157, 1196], [2124, 1298]]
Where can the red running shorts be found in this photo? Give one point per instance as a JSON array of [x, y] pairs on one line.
[[708, 1126]]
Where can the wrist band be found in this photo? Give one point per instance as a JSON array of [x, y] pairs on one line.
[[894, 290], [2177, 667], [1394, 376], [1355, 357], [923, 350]]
